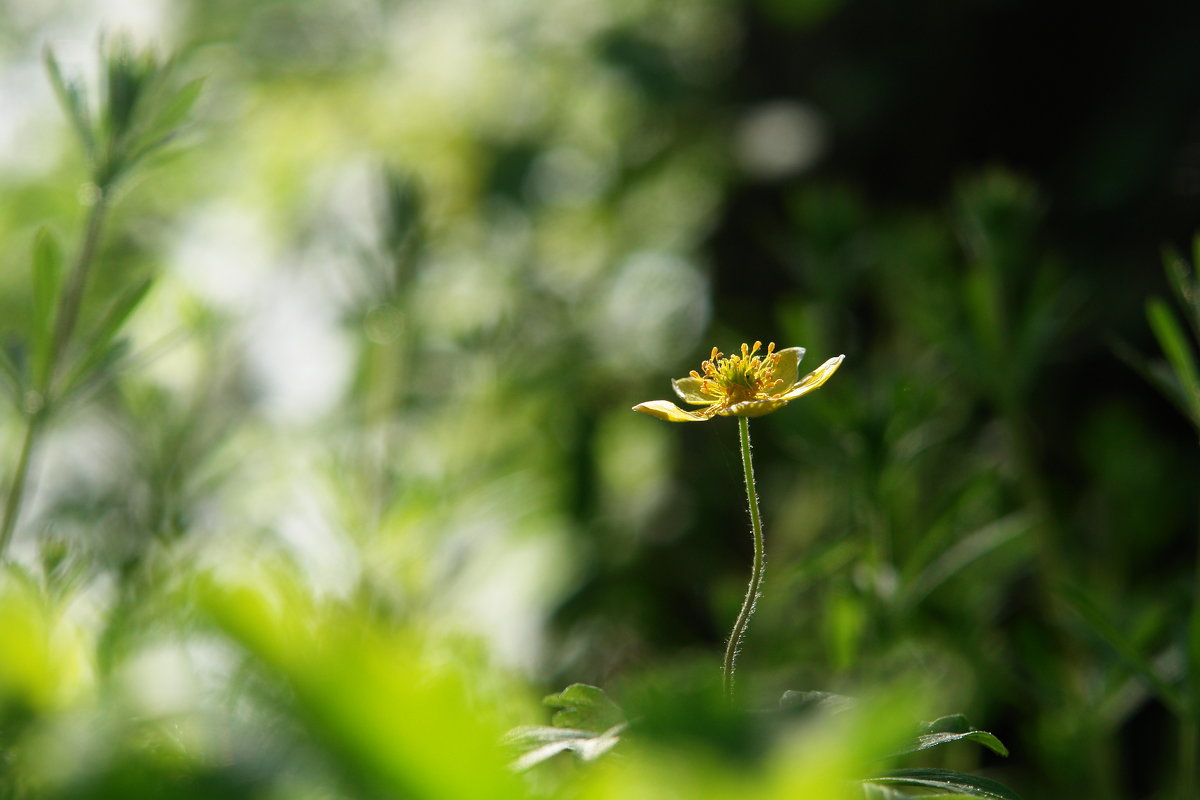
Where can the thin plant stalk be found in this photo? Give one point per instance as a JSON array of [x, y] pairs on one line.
[[70, 300], [1189, 720], [756, 575]]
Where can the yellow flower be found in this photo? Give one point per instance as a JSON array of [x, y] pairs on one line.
[[745, 385]]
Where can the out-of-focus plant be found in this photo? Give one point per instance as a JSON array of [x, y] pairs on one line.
[[140, 111], [1178, 378], [590, 724]]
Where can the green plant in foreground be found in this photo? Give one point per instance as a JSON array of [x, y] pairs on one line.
[[743, 386], [588, 723], [140, 112]]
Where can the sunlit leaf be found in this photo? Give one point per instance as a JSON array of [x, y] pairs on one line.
[[538, 743], [394, 720], [947, 781], [927, 741], [584, 707]]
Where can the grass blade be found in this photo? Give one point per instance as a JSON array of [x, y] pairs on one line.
[[1175, 346]]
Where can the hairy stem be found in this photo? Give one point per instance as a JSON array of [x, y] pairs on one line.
[[70, 300], [756, 575]]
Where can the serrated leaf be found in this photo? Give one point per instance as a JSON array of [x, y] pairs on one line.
[[947, 781], [1177, 350], [585, 707]]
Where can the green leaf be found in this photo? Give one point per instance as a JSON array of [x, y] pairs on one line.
[[968, 549], [1187, 290], [1193, 659], [177, 107], [541, 742], [584, 707], [947, 781], [951, 723], [11, 379], [952, 728], [1098, 623], [982, 301], [114, 319], [74, 102], [1179, 353], [47, 281], [164, 128], [928, 741], [47, 275], [826, 702]]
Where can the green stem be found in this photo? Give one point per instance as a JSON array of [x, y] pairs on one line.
[[1189, 744], [1189, 720], [756, 575], [16, 489], [70, 300]]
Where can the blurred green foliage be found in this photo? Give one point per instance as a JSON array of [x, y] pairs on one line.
[[341, 475]]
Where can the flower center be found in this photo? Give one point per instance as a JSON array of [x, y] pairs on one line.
[[739, 378]]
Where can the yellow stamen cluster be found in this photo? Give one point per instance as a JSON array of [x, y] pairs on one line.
[[739, 378]]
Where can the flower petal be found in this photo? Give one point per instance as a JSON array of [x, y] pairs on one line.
[[787, 368], [813, 379], [753, 408], [689, 391], [665, 409]]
